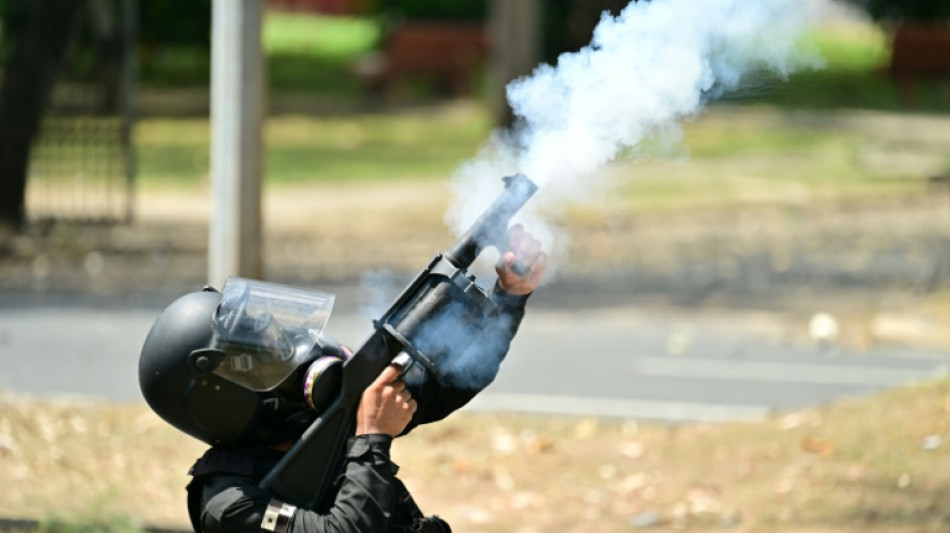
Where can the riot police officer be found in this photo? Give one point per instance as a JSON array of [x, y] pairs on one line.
[[249, 407]]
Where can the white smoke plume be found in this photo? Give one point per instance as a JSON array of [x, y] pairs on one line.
[[655, 64]]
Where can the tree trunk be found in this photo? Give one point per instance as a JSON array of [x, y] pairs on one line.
[[29, 79], [515, 28]]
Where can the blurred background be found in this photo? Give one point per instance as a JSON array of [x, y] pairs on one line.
[[832, 182], [791, 249]]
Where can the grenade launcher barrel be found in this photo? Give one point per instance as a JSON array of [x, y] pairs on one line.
[[491, 228]]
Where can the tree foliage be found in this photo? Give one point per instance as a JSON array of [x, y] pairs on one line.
[[432, 10], [175, 22], [566, 25], [928, 11]]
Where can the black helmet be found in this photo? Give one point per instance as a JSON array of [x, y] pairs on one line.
[[247, 365]]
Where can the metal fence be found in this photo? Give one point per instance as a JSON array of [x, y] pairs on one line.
[[82, 163]]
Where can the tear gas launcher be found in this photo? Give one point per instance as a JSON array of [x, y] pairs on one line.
[[443, 295]]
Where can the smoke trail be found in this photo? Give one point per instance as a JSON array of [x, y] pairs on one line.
[[648, 68]]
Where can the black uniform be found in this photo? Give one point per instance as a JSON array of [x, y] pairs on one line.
[[366, 497]]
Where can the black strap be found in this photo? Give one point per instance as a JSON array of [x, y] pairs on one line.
[[194, 503]]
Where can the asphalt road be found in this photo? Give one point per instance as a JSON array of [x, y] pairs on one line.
[[626, 362]]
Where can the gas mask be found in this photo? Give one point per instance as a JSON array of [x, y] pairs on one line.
[[258, 366]]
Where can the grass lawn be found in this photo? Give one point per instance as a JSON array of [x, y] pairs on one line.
[[401, 145], [315, 53], [731, 155]]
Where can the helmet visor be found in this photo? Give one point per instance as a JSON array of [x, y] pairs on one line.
[[266, 330]]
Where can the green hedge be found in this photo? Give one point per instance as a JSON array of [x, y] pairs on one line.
[[917, 10]]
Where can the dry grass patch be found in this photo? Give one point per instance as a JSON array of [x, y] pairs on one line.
[[865, 465], [877, 464]]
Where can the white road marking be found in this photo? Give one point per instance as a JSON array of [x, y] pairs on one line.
[[783, 372], [619, 407]]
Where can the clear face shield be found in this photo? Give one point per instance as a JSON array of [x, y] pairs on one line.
[[266, 330]]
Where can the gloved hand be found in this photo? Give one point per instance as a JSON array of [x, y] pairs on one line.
[[431, 524], [524, 251]]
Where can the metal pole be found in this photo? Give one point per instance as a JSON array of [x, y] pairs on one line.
[[237, 110], [515, 29], [130, 26]]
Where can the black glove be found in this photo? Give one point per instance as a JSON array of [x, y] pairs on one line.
[[431, 524], [407, 517]]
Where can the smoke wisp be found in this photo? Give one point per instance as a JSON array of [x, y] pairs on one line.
[[647, 69]]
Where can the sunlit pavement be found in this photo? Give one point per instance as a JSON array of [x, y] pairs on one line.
[[629, 362]]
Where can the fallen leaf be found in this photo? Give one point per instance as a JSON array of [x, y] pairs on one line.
[[504, 443], [931, 443], [461, 466], [526, 500], [586, 429], [903, 481], [633, 483], [503, 479], [646, 519], [534, 443], [607, 472], [817, 446], [785, 486], [631, 449], [798, 419]]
